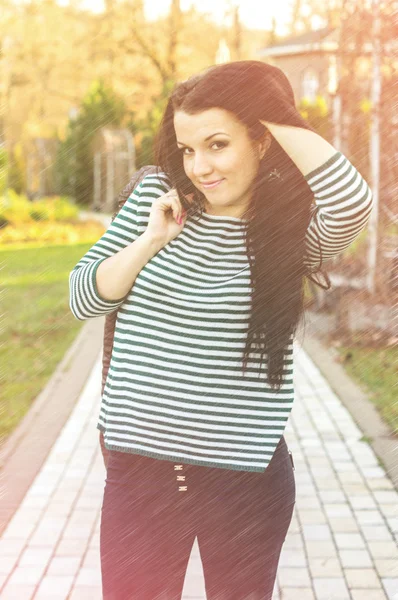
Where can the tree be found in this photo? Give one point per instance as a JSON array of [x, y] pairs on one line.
[[74, 165]]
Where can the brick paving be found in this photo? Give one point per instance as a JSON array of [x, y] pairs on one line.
[[342, 543]]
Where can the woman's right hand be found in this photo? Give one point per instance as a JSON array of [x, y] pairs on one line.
[[167, 218]]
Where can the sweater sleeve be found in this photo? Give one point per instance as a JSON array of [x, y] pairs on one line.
[[343, 203], [84, 299]]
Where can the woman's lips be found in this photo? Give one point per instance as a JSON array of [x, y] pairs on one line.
[[210, 186]]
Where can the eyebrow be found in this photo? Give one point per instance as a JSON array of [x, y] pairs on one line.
[[208, 138]]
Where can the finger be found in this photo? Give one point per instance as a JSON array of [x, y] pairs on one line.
[[176, 205], [177, 208]]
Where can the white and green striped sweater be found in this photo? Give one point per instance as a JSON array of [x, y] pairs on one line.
[[175, 389]]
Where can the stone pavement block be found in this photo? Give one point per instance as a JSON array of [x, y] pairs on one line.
[[372, 472], [19, 528], [95, 540], [330, 588], [351, 487], [368, 594], [317, 532], [65, 495], [64, 565], [319, 462], [32, 556], [293, 594], [54, 587], [294, 526], [338, 510], [346, 465], [294, 540], [7, 563], [292, 558], [27, 575], [352, 559], [347, 541], [195, 566], [369, 517], [327, 483], [92, 559], [38, 489], [352, 477], [343, 524], [332, 496], [320, 549], [11, 547], [276, 592], [307, 503], [78, 532], [362, 578], [325, 567], [18, 592], [312, 517], [391, 587], [376, 533], [86, 592], [386, 567], [294, 577], [88, 576], [383, 550], [393, 523], [194, 587], [379, 483], [389, 510], [82, 517], [90, 502], [70, 547], [58, 509], [386, 497], [359, 501], [48, 531], [32, 501]]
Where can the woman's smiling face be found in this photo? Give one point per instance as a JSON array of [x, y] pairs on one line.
[[217, 150]]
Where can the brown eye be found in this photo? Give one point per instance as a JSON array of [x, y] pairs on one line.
[[222, 144]]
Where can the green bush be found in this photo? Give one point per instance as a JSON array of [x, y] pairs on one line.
[[3, 169], [54, 209], [17, 209]]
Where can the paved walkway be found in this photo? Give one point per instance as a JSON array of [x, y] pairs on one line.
[[342, 543]]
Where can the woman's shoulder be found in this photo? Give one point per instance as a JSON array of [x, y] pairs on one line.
[[156, 181]]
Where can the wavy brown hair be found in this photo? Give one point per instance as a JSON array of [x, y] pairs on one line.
[[281, 204]]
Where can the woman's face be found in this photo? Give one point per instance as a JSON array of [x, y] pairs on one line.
[[216, 147]]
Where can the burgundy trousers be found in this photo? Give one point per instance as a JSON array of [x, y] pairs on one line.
[[153, 509]]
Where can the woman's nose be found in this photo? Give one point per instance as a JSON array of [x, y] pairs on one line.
[[201, 166]]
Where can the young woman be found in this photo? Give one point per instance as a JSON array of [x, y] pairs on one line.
[[205, 264]]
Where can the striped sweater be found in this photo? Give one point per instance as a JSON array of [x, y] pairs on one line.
[[175, 389]]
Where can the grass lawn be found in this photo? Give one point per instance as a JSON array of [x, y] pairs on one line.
[[37, 326], [375, 370]]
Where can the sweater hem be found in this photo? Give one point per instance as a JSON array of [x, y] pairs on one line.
[[177, 459]]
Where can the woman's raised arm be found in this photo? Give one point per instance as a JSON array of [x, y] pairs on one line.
[[102, 279], [343, 199]]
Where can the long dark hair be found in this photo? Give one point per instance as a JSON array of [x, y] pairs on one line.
[[281, 204]]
